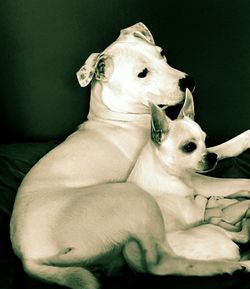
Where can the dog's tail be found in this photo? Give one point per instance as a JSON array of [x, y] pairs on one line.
[[71, 276], [142, 253]]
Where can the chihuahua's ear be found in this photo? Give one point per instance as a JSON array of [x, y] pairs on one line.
[[188, 106], [98, 65], [159, 124]]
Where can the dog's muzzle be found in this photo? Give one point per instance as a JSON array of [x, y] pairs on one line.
[[172, 112]]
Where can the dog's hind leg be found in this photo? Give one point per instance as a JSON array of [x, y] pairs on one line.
[[70, 276]]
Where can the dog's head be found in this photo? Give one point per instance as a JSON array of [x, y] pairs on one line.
[[180, 143], [132, 72]]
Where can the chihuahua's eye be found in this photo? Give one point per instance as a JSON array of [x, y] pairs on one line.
[[189, 147], [143, 73]]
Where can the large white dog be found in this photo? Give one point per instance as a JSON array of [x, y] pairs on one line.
[[127, 75]]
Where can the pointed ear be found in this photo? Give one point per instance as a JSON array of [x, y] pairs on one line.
[[188, 106], [159, 124], [138, 30], [98, 65]]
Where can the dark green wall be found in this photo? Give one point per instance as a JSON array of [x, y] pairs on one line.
[[44, 42]]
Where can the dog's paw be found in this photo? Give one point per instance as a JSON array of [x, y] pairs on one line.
[[222, 267], [231, 268], [246, 265], [180, 266]]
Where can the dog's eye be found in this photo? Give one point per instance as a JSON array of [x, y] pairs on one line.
[[189, 147], [143, 73]]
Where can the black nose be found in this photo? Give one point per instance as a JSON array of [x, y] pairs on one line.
[[187, 82], [211, 159]]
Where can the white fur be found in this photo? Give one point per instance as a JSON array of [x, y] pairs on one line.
[[165, 171], [57, 210], [103, 149]]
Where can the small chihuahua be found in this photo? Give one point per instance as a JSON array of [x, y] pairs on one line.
[[165, 168]]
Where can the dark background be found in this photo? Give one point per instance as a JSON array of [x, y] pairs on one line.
[[44, 42], [42, 45]]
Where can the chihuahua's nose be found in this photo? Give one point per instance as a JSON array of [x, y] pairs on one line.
[[187, 82], [211, 158]]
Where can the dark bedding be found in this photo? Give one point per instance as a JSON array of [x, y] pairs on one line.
[[17, 159], [43, 44]]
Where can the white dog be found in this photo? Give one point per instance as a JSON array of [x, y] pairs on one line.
[[165, 168], [126, 76]]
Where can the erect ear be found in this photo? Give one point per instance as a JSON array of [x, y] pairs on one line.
[[159, 124], [188, 106], [98, 65], [138, 30]]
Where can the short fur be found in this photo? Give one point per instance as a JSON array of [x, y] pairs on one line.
[[165, 168], [104, 149]]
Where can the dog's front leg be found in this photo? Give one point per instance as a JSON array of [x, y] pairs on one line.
[[232, 147], [210, 186]]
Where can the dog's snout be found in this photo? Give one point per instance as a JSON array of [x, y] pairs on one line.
[[187, 82]]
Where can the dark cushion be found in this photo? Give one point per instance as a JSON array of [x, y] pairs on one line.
[[236, 167], [15, 161], [44, 42]]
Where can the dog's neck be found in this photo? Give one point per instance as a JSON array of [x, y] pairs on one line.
[[150, 174], [99, 111]]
